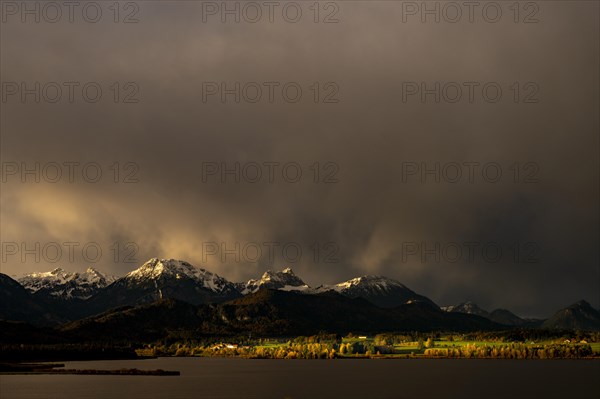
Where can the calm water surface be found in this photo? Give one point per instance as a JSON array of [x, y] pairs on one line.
[[369, 379]]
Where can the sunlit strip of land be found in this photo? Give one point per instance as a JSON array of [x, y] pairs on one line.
[[389, 346]]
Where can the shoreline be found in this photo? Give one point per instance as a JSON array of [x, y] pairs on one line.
[[52, 368]]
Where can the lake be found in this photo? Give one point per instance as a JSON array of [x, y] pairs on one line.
[[246, 378]]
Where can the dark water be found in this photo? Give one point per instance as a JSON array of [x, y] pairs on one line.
[[369, 379]]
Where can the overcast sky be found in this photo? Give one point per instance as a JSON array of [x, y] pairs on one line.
[[363, 132]]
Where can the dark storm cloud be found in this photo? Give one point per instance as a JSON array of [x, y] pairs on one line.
[[370, 214]]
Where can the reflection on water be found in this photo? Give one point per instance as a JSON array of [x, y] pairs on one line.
[[242, 378]]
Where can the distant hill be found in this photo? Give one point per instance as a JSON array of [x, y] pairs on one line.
[[500, 316], [579, 316], [16, 303], [271, 313], [18, 332], [507, 318]]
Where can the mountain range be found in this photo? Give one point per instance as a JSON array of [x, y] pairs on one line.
[[500, 316], [60, 284], [279, 302]]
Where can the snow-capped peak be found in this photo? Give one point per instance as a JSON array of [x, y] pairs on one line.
[[369, 282], [171, 268], [61, 283], [382, 291], [284, 280], [467, 307]]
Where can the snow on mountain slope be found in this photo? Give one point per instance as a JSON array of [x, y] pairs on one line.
[[468, 308], [164, 279], [171, 268], [171, 278], [382, 291], [284, 280], [59, 283], [368, 283]]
